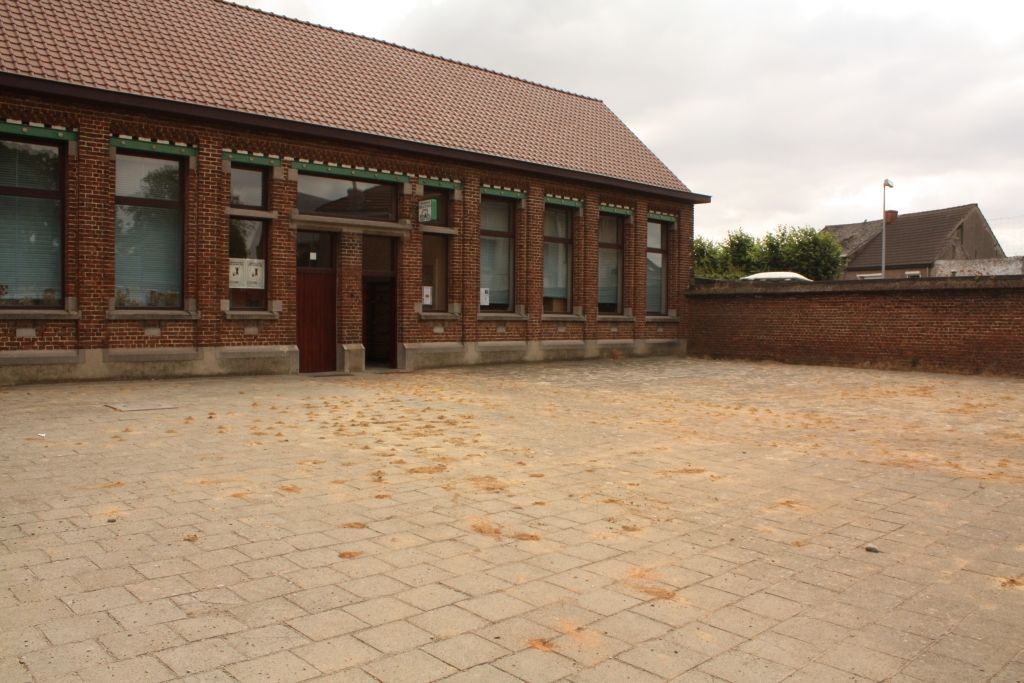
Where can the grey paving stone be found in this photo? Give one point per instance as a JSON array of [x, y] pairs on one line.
[[336, 654], [280, 666], [414, 666], [393, 637], [663, 659], [466, 651], [139, 669], [536, 666], [199, 656], [52, 662], [740, 667]]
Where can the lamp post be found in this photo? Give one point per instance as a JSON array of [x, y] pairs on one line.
[[885, 183]]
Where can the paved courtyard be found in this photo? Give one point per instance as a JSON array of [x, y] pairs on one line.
[[644, 520]]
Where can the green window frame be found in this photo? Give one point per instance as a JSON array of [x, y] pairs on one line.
[[149, 202], [32, 186]]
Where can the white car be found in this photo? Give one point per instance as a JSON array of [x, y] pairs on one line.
[[778, 275]]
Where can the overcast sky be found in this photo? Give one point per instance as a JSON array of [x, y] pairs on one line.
[[786, 112]]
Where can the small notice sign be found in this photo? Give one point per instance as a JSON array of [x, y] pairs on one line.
[[246, 273], [485, 296], [427, 210], [428, 295]]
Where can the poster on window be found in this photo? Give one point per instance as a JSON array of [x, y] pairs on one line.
[[428, 295], [485, 296], [246, 273], [427, 210]]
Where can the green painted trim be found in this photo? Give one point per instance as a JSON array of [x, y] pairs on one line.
[[445, 184], [158, 147], [662, 217], [349, 172], [617, 210], [36, 132], [250, 159], [497, 192], [561, 201]]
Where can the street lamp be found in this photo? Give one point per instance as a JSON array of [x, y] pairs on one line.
[[885, 183]]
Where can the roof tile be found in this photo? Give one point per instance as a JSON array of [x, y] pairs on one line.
[[216, 54]]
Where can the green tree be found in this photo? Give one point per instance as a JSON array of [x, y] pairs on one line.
[[803, 250]]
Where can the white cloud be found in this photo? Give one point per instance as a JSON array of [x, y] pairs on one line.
[[785, 112]]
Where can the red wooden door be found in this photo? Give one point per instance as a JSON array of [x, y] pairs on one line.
[[315, 304]]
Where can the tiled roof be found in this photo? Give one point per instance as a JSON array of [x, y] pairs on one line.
[[912, 239], [216, 54], [853, 236]]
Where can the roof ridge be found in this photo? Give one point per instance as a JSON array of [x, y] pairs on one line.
[[235, 4], [868, 221]]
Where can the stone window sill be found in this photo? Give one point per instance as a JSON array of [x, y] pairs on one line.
[[484, 316], [616, 319], [563, 317], [145, 315], [39, 314], [439, 230], [439, 315], [250, 315], [251, 213], [662, 319]]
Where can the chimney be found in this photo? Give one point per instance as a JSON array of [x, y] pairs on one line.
[[890, 215]]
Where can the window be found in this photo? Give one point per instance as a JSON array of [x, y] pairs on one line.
[[332, 196], [31, 224], [496, 240], [657, 262], [148, 231], [609, 264], [435, 272], [557, 258], [249, 187], [247, 240], [436, 202]]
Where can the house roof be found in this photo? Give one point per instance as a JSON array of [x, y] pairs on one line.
[[912, 239], [228, 57], [852, 236]]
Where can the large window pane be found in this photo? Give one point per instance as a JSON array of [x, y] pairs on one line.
[[30, 251], [148, 177], [495, 215], [556, 223], [247, 187], [608, 230], [348, 198], [495, 275], [29, 166], [435, 272], [655, 282], [655, 236], [247, 266], [148, 257], [609, 279], [556, 277]]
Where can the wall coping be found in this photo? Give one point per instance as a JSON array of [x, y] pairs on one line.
[[903, 285]]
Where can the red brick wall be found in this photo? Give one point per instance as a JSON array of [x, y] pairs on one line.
[[89, 242], [952, 325]]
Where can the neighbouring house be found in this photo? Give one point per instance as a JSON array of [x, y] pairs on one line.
[[1011, 265], [915, 241], [196, 187]]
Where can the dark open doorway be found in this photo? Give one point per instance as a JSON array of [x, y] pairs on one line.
[[380, 290]]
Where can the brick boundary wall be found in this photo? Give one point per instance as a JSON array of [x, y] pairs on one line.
[[963, 325]]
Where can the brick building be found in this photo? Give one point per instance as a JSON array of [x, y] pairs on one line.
[[200, 188]]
